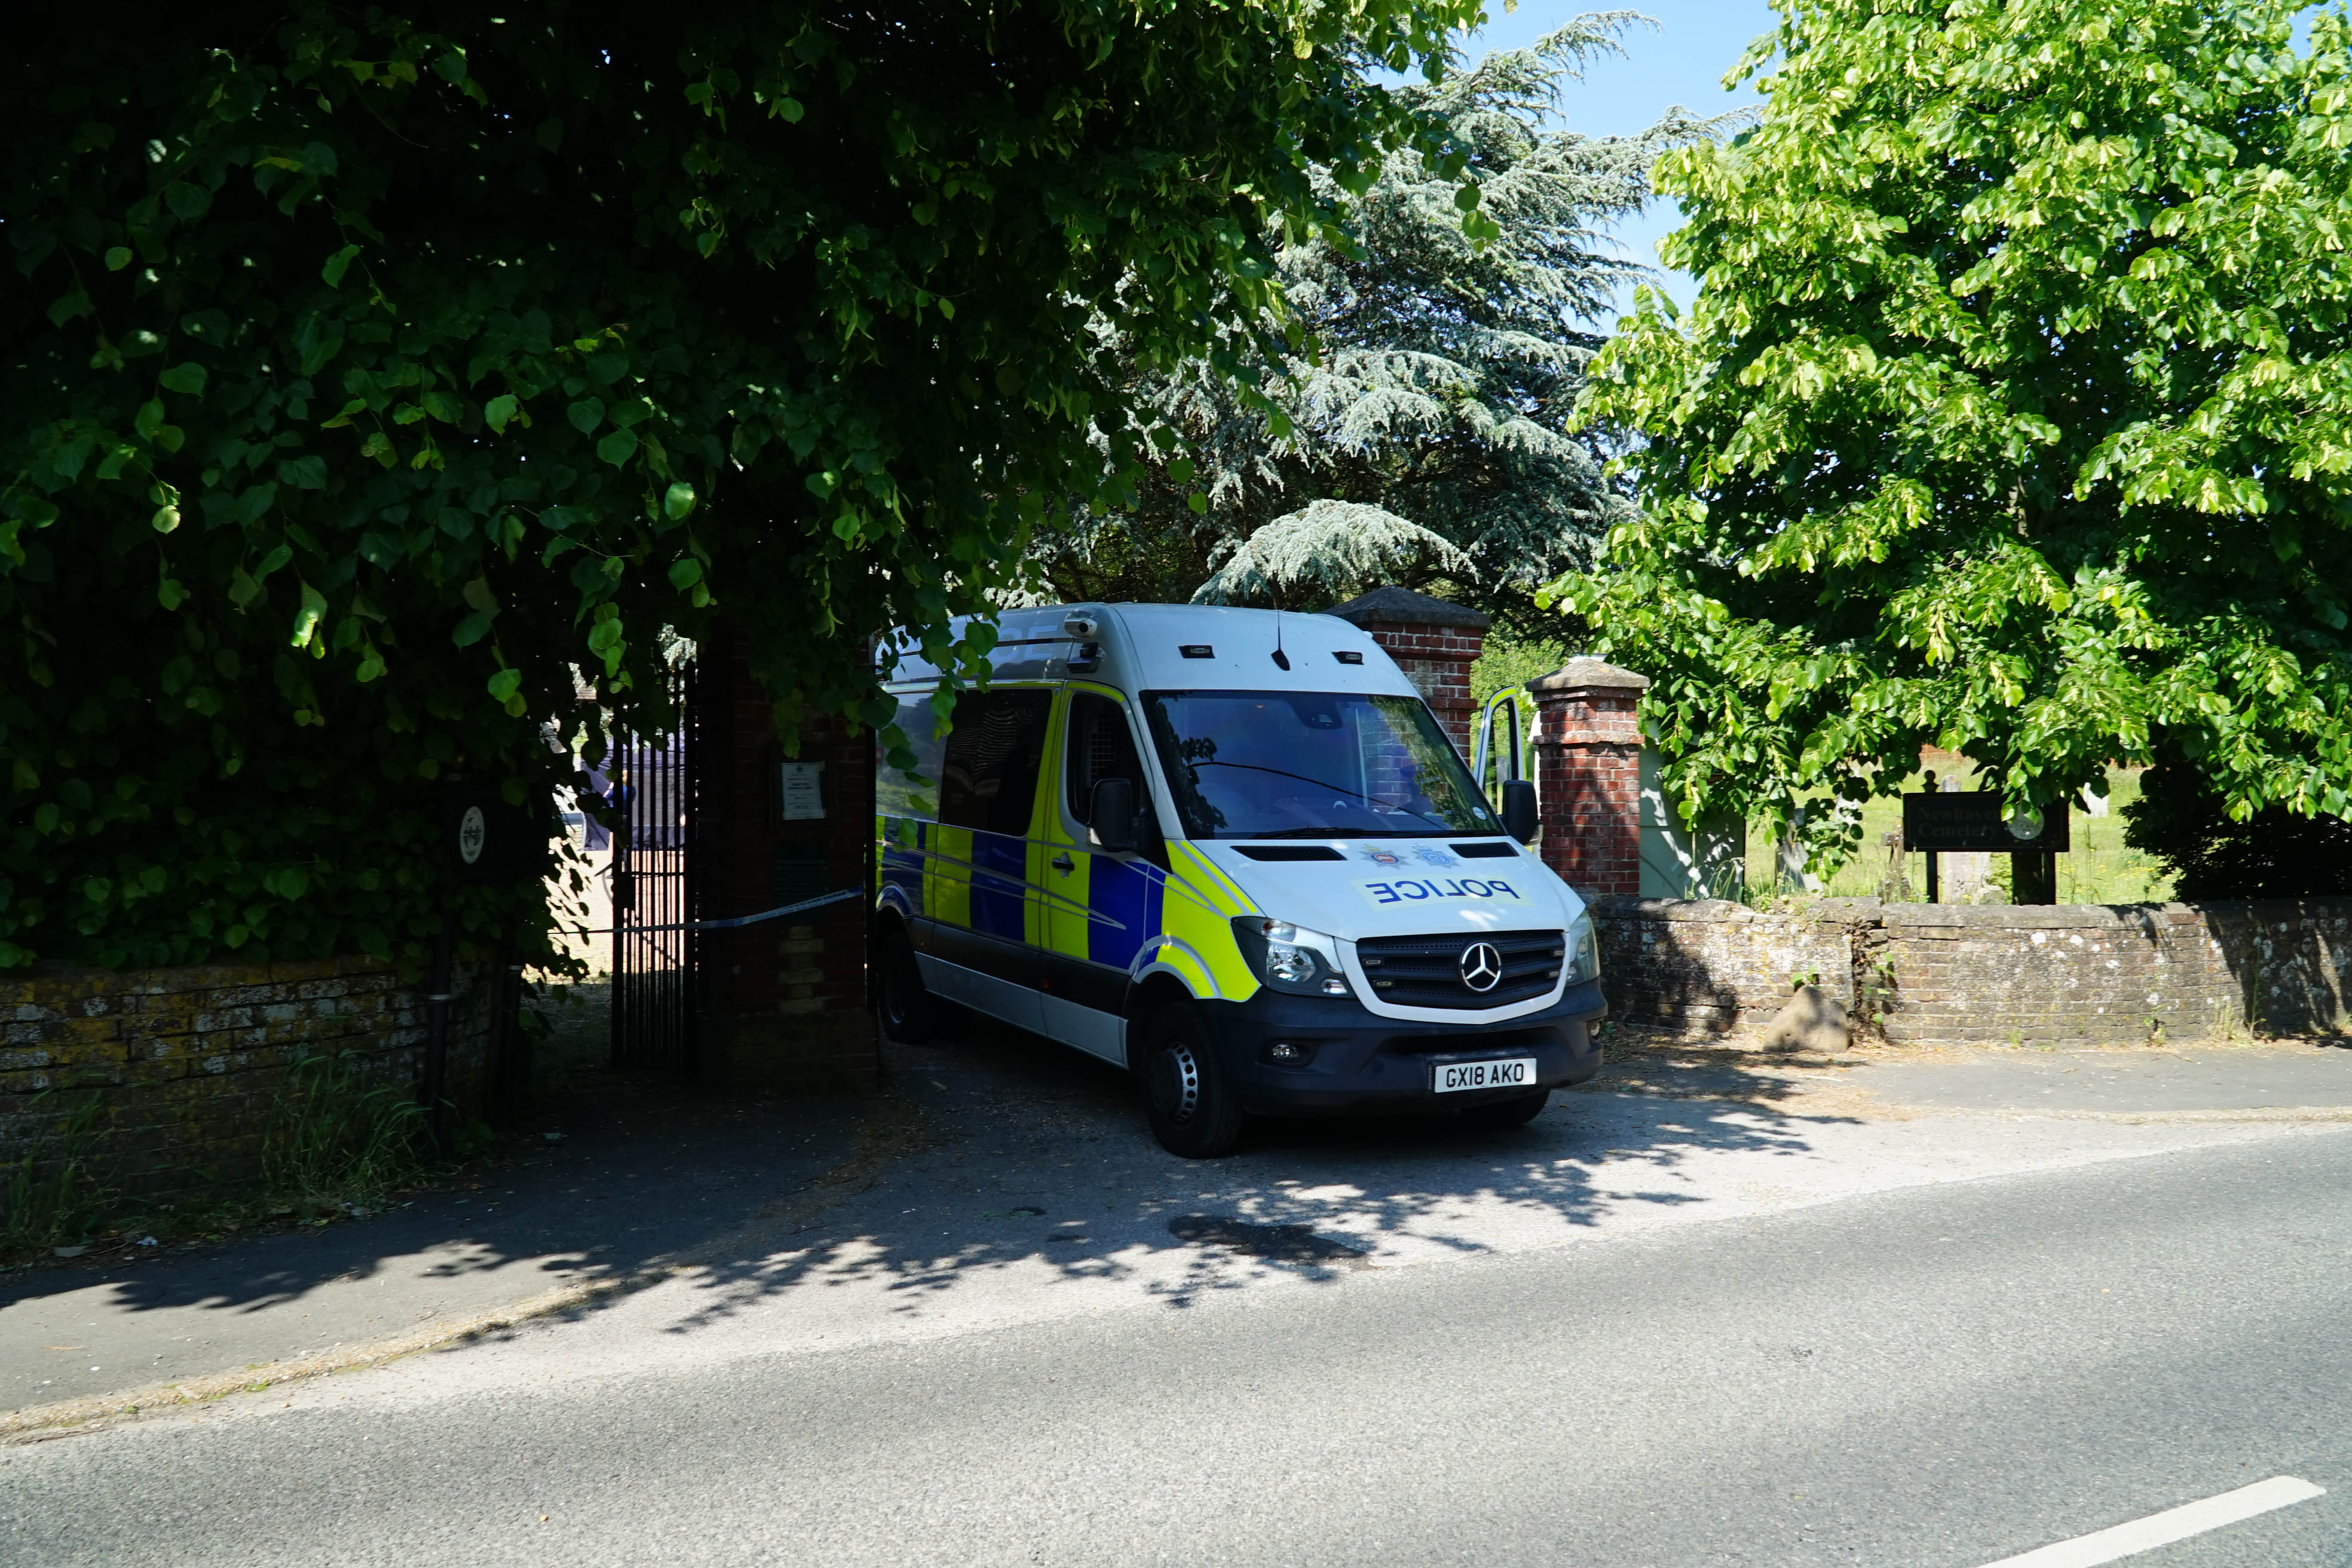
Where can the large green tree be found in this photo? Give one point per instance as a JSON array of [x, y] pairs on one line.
[[1411, 430], [2011, 415], [373, 379]]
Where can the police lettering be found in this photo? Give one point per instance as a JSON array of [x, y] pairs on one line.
[[1412, 891]]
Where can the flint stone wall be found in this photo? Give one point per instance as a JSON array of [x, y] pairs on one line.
[[1930, 974], [187, 1063], [1704, 968]]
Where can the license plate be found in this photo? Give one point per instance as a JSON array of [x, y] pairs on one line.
[[1518, 1072]]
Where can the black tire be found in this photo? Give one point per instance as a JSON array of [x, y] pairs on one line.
[[909, 1013], [1191, 1103], [1515, 1111]]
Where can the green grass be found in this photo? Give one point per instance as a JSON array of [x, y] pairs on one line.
[[53, 1196], [334, 1138], [2099, 869]]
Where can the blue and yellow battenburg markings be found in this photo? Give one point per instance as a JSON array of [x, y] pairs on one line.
[[1103, 910], [1112, 909]]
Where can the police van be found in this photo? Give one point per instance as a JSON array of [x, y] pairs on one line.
[[1233, 852]]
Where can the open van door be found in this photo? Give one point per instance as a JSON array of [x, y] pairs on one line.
[[1504, 738]]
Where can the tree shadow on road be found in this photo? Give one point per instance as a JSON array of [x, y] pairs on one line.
[[994, 1157], [1019, 1158]]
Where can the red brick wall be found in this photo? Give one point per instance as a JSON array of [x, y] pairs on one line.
[[785, 1002], [1437, 660], [1588, 776]]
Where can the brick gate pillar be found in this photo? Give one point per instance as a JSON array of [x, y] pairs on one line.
[[1433, 642], [784, 1002], [1588, 774]]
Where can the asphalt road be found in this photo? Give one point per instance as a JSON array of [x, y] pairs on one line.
[[1944, 1376]]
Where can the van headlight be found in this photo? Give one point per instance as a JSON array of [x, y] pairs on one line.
[[1583, 951], [1291, 958]]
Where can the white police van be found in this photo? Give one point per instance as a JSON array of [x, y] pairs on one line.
[[1234, 852]]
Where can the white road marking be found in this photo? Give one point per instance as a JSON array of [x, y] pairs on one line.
[[2164, 1529]]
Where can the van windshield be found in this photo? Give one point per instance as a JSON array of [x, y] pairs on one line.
[[1323, 764]]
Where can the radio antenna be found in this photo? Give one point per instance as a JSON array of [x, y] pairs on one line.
[[1281, 659]]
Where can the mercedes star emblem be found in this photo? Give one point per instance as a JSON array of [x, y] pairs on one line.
[[1482, 966]]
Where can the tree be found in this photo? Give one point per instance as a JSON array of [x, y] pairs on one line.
[[2181, 821], [376, 380], [2011, 415], [1411, 430]]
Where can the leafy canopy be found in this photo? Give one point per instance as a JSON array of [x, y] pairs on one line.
[[1410, 430], [2011, 414], [379, 388]]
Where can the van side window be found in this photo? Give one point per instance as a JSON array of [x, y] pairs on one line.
[[896, 792], [1101, 747], [989, 780]]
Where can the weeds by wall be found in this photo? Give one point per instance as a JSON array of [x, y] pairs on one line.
[[50, 1191]]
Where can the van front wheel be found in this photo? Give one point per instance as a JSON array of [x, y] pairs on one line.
[[1193, 1111]]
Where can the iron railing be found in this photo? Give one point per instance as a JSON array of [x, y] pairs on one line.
[[656, 894]]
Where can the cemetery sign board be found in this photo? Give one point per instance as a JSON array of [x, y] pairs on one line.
[[1968, 822]]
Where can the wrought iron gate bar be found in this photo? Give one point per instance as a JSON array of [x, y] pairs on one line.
[[657, 891]]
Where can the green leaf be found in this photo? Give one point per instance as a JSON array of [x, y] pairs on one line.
[[678, 501], [504, 684], [188, 378], [450, 67], [473, 628], [307, 617], [165, 519], [303, 473], [171, 593], [118, 257], [685, 574], [277, 558], [618, 447], [498, 410], [336, 265], [586, 415], [71, 306]]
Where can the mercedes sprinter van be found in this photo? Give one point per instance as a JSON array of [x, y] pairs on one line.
[[1234, 852]]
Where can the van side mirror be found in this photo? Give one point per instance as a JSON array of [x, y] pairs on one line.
[[1112, 811], [1520, 819]]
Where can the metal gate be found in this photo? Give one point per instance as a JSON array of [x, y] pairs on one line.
[[656, 897]]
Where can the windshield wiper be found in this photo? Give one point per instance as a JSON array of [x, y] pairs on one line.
[[1311, 833], [1395, 806]]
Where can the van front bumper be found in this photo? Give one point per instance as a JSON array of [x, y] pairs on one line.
[[1359, 1061]]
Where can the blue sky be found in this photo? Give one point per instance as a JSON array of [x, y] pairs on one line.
[[1681, 61]]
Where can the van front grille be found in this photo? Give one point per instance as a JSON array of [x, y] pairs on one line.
[[1427, 971]]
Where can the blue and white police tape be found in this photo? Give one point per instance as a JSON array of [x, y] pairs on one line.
[[738, 920]]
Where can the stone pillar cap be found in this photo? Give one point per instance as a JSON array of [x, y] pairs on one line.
[[1404, 606], [1583, 672]]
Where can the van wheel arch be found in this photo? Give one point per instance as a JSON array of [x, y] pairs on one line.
[[1156, 991]]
